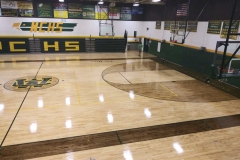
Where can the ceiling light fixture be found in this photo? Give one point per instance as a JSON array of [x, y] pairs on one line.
[[100, 2], [61, 0], [156, 0], [135, 4]]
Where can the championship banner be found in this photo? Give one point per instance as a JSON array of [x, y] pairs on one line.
[[25, 13], [9, 4], [101, 12], [137, 10], [126, 17], [74, 10], [9, 12], [234, 29], [126, 13], [214, 27], [158, 24], [114, 13], [181, 24], [192, 26], [167, 24], [60, 10], [24, 5], [88, 12], [44, 10]]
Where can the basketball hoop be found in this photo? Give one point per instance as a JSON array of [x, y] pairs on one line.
[[225, 70], [177, 33]]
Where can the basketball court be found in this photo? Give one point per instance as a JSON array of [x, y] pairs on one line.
[[119, 80], [111, 106]]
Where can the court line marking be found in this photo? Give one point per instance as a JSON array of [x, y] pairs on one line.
[[18, 110], [76, 85], [2, 63], [125, 78], [207, 125], [14, 118], [160, 85], [118, 137], [53, 60], [169, 90]]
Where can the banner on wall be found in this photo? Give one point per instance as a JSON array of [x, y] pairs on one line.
[[88, 11], [167, 24], [9, 12], [9, 4], [0, 12], [60, 10], [44, 10], [126, 10], [44, 27], [25, 12], [25, 5], [158, 25], [74, 10], [114, 13], [192, 26], [214, 27], [181, 24], [126, 17], [137, 10], [234, 29], [101, 12], [126, 13]]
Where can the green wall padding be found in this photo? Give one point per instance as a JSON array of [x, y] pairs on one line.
[[196, 60]]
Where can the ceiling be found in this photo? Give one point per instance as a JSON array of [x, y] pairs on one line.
[[162, 2]]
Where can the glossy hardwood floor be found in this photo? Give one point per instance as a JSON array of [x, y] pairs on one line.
[[212, 145], [83, 103]]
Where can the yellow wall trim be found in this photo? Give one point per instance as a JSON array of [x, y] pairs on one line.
[[190, 46], [61, 37]]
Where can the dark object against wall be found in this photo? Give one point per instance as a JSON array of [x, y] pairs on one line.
[[154, 12], [215, 10], [135, 34], [135, 17]]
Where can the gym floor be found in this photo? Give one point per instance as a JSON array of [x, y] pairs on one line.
[[111, 106]]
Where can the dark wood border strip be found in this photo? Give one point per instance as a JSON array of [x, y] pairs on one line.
[[162, 131], [52, 60], [58, 146], [86, 142]]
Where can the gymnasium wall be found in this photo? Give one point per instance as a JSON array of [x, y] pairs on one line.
[[16, 26], [196, 39], [13, 26]]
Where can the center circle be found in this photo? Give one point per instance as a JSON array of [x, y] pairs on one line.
[[31, 83]]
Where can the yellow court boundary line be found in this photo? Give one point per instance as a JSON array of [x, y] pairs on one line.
[[79, 99]]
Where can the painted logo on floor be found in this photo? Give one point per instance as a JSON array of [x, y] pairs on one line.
[[45, 27], [31, 83]]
